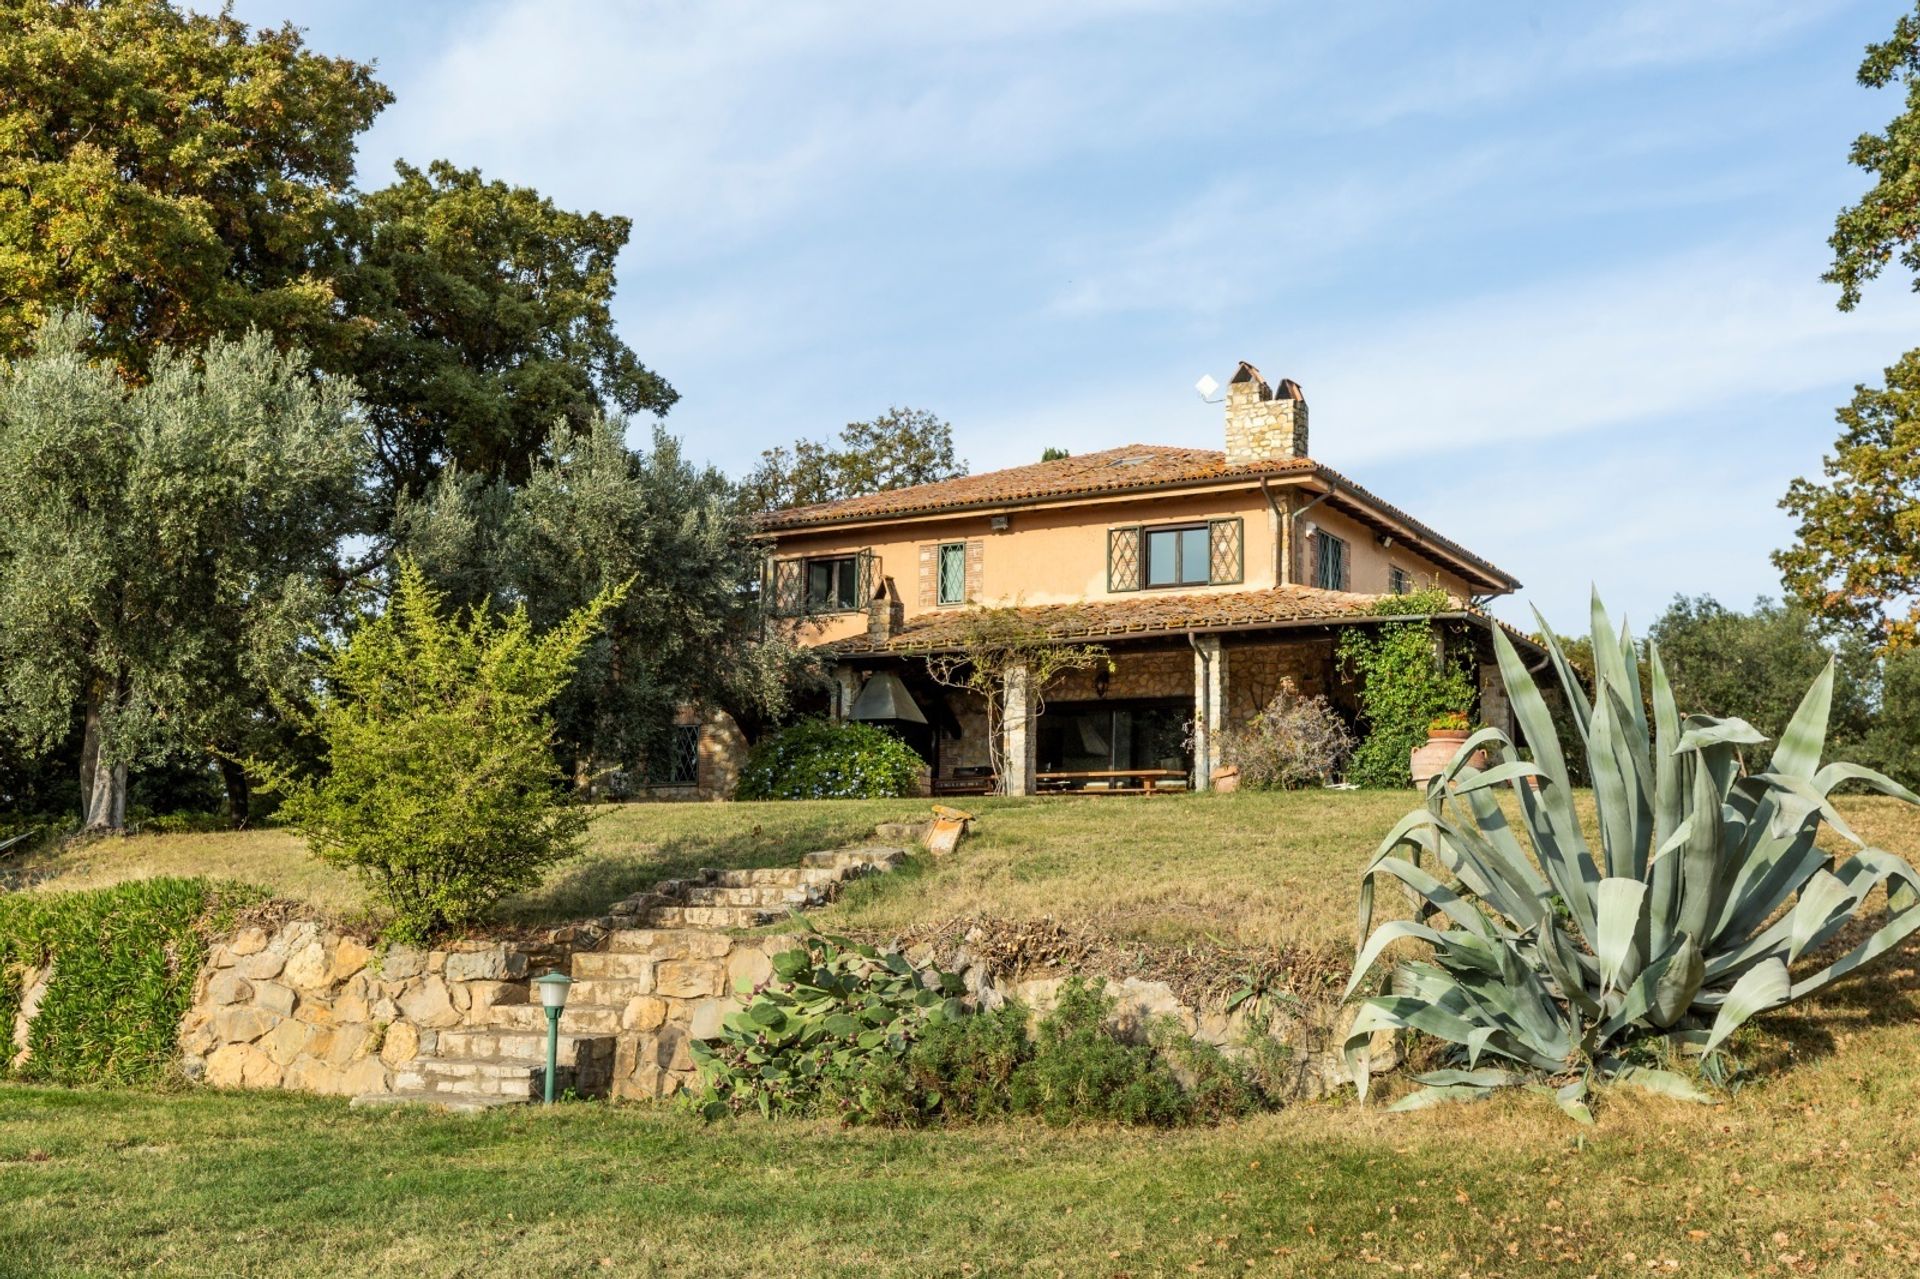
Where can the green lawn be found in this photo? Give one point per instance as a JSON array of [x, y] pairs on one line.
[[1814, 1167]]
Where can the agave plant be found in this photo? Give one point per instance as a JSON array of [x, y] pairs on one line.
[[1555, 963]]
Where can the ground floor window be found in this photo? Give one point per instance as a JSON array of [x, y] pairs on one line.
[[1099, 736], [680, 764]]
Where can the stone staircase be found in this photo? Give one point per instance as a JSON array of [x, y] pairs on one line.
[[664, 966]]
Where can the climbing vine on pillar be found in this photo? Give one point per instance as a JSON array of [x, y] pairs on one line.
[[1001, 650]]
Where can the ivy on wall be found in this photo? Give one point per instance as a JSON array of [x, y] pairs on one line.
[[125, 960], [1404, 687]]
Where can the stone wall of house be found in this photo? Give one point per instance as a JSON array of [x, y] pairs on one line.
[[1134, 675], [1256, 673]]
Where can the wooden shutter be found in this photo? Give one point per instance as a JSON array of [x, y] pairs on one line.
[[976, 561], [1123, 558], [929, 555], [1226, 557]]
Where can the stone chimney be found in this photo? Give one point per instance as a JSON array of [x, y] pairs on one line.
[[1264, 425], [884, 613]]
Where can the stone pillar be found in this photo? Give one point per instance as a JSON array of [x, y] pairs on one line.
[[1495, 710], [846, 687], [1209, 707], [1018, 734]]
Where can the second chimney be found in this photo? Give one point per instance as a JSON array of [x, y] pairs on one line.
[[1264, 425]]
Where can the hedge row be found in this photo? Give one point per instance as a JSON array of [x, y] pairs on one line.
[[125, 961]]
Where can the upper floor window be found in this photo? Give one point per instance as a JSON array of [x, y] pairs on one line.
[[821, 584], [951, 571], [1178, 556], [1330, 562], [1398, 582], [1208, 553], [833, 585]]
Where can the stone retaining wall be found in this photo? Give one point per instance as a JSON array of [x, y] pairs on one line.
[[312, 1009]]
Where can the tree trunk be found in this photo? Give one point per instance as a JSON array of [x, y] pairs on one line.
[[103, 785], [239, 794]]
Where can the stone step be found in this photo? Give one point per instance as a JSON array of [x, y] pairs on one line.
[[524, 1046], [477, 1077], [713, 916], [872, 857], [658, 943], [459, 1103], [770, 896], [781, 876], [607, 992], [579, 1017]]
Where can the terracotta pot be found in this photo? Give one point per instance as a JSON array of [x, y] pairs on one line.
[[1432, 758], [1226, 778]]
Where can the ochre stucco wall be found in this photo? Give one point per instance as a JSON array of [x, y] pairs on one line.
[[1059, 555]]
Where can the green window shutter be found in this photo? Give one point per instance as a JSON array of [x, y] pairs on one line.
[[1226, 552], [863, 578], [1123, 558], [789, 595]]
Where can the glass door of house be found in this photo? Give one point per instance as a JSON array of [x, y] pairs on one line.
[[1097, 737]]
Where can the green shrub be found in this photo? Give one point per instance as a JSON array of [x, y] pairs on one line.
[[830, 759], [125, 961], [968, 1063], [827, 1037], [441, 790], [1080, 1070], [1402, 691]]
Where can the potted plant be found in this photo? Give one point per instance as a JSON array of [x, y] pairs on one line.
[[1444, 735]]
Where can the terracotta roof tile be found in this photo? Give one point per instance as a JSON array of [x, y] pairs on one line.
[[1128, 469], [1143, 614]]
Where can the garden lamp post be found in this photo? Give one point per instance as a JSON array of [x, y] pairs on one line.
[[553, 998]]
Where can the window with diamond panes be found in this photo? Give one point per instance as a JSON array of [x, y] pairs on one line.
[[677, 762], [1123, 559], [1228, 563], [953, 573]]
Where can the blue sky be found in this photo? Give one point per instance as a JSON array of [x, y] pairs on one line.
[[1548, 273]]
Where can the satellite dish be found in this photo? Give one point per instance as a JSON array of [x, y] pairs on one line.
[[1206, 386]]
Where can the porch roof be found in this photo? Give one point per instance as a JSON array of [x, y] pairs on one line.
[[1275, 608]]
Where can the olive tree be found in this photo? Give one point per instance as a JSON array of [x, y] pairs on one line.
[[164, 548]]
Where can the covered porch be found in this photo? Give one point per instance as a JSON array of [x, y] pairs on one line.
[[1150, 721]]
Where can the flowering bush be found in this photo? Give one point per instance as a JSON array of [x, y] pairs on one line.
[[1294, 742], [830, 759]]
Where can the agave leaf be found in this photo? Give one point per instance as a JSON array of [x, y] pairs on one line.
[[1570, 684], [1455, 907], [1702, 731], [1441, 1095], [1563, 961], [1667, 976], [1487, 1077], [1618, 904], [1551, 821], [1833, 774], [1825, 900], [1700, 873], [1764, 986], [1664, 1083], [1571, 1098], [1493, 870], [1676, 986], [1903, 886], [1670, 821], [1799, 748], [1510, 771], [1383, 937], [1611, 664], [1796, 801]]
